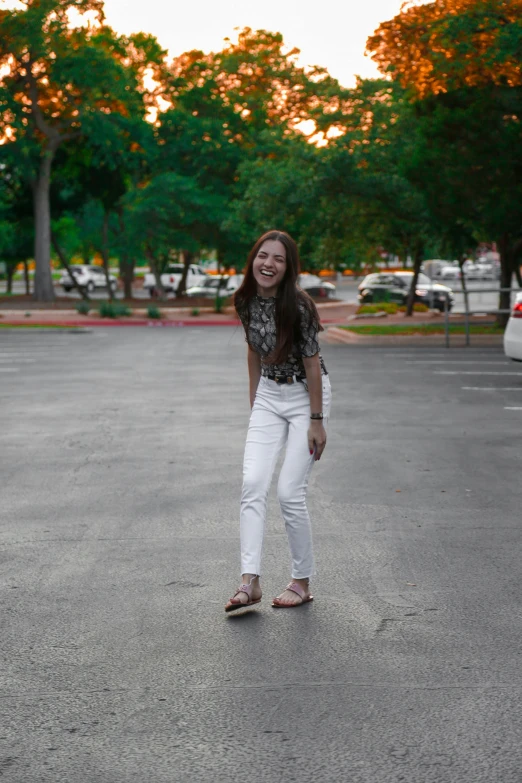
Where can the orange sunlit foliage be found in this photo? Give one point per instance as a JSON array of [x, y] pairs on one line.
[[262, 82], [451, 43]]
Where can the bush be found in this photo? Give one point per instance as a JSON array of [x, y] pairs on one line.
[[386, 307], [218, 304], [153, 312], [83, 307], [113, 310], [195, 311], [418, 307]]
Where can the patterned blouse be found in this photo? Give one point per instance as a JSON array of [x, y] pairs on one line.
[[262, 338]]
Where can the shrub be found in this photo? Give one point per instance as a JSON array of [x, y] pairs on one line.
[[386, 307], [195, 311], [153, 312], [83, 307], [418, 307], [113, 310], [218, 304]]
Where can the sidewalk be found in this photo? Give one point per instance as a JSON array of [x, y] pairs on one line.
[[330, 313]]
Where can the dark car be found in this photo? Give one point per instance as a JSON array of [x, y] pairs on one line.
[[395, 287]]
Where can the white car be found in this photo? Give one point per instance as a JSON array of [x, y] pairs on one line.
[[450, 272], [210, 287], [88, 276], [513, 333], [315, 287], [171, 277]]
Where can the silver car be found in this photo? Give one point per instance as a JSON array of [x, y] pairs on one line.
[[88, 276], [225, 285], [314, 286]]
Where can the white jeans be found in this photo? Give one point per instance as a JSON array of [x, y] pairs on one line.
[[281, 413]]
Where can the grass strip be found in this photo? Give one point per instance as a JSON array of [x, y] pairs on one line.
[[408, 329]]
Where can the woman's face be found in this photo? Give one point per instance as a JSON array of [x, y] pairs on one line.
[[269, 267]]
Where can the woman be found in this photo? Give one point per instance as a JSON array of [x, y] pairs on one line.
[[290, 399]]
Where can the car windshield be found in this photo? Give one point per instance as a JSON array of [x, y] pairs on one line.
[[76, 268], [421, 280], [212, 283]]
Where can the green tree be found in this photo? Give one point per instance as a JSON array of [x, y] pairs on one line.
[[170, 212], [62, 82], [460, 60]]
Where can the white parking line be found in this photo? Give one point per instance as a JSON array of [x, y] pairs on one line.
[[512, 409], [455, 361], [473, 372], [491, 388], [16, 359], [9, 369]]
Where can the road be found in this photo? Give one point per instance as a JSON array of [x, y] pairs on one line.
[[121, 456]]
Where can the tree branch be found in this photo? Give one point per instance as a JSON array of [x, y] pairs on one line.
[[54, 137]]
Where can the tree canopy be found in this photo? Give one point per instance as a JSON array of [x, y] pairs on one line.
[[109, 147]]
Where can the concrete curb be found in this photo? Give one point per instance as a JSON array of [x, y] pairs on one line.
[[335, 335]]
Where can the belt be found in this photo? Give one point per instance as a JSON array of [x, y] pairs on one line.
[[285, 378]]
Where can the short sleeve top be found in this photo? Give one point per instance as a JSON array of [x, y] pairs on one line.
[[262, 336]]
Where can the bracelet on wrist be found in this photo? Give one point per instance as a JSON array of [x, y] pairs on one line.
[[316, 416]]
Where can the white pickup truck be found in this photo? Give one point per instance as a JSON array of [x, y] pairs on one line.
[[171, 277]]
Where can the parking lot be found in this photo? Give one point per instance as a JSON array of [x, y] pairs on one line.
[[481, 299], [121, 454]]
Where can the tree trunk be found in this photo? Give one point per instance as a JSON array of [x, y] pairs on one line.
[[157, 276], [506, 272], [187, 260], [61, 255], [417, 261], [26, 278], [221, 270], [9, 271], [127, 264], [517, 252], [463, 283], [105, 253], [43, 281], [518, 274], [127, 272]]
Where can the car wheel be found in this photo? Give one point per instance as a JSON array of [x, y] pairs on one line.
[[67, 289], [152, 293], [90, 287]]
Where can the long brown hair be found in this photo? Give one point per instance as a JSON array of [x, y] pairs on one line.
[[289, 297]]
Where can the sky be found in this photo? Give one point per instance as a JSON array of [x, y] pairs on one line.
[[330, 34]]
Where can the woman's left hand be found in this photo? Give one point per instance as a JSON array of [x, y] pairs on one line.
[[316, 438]]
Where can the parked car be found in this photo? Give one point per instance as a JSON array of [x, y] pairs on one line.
[[450, 272], [210, 287], [88, 276], [171, 277], [395, 287], [316, 287], [513, 333]]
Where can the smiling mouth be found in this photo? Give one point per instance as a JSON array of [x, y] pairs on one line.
[[267, 274]]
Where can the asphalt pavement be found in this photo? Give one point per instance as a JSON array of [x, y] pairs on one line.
[[121, 456]]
